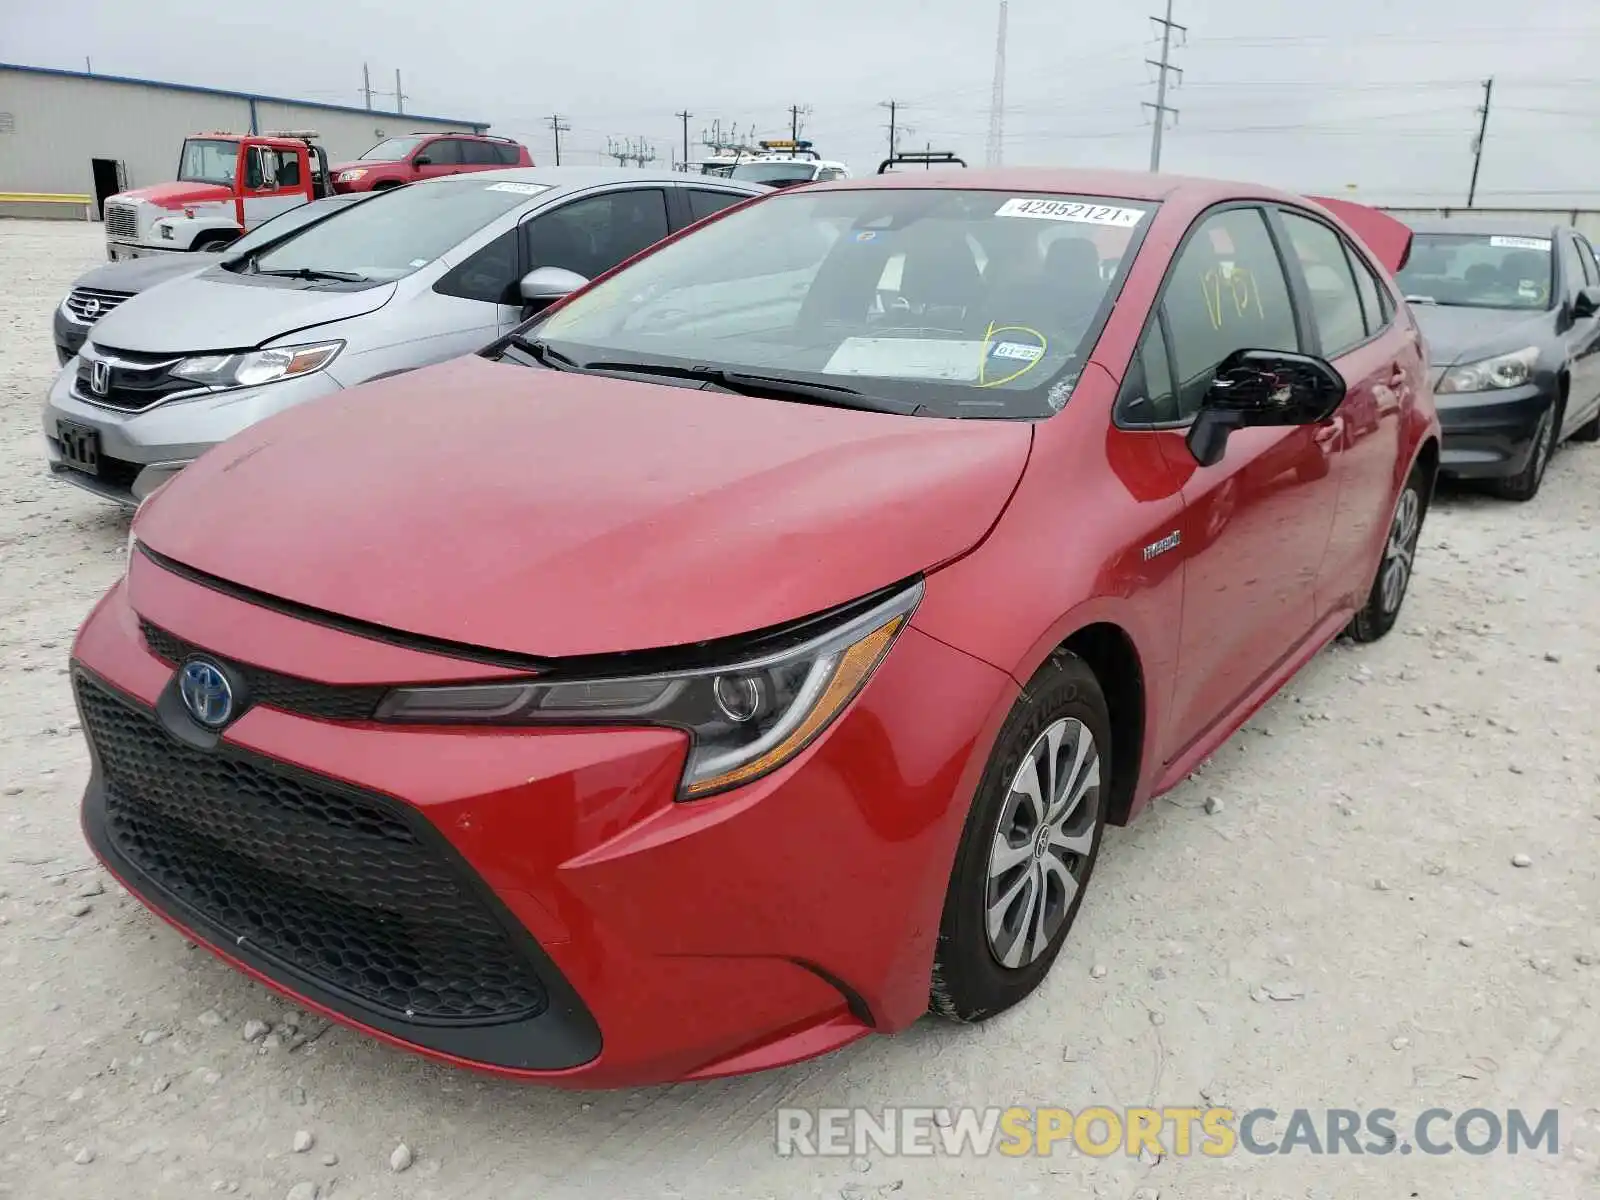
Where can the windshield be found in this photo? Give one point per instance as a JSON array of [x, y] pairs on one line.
[[973, 303], [1479, 270], [286, 223], [205, 160], [393, 234], [775, 172], [392, 150]]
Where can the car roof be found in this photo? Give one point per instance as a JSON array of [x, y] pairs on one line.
[[1123, 185], [1513, 226], [575, 178]]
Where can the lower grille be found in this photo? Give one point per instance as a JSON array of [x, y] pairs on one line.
[[88, 305], [122, 221], [329, 702], [340, 886]]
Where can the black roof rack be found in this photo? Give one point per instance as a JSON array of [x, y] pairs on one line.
[[492, 137], [926, 158]]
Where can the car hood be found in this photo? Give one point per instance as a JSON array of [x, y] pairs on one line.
[[555, 514], [135, 274], [175, 195], [368, 164], [214, 310], [1457, 334]]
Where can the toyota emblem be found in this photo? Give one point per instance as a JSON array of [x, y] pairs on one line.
[[205, 692]]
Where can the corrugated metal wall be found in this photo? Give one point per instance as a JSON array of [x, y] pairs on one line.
[[52, 126], [1585, 220]]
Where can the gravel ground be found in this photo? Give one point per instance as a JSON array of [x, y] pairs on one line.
[[1350, 852]]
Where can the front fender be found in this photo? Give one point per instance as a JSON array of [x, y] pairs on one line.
[[186, 231]]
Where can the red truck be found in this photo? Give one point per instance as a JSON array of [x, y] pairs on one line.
[[227, 183], [417, 156]]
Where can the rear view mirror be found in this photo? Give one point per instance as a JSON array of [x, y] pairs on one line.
[[1587, 303], [544, 285], [1263, 387]]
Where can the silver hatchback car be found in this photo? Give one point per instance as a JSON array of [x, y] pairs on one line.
[[415, 276]]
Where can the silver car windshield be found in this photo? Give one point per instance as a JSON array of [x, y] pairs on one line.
[[975, 303], [395, 233], [775, 172]]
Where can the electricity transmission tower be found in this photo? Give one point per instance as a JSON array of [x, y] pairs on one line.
[[997, 100], [1163, 68], [637, 151]]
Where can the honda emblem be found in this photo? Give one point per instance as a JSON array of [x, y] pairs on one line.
[[99, 377]]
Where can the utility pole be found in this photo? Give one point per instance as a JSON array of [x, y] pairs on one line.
[[684, 117], [88, 67], [997, 99], [558, 127], [366, 85], [795, 113], [1477, 145], [399, 96], [1163, 68], [894, 107]]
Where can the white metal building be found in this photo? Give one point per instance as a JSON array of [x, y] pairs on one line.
[[73, 133]]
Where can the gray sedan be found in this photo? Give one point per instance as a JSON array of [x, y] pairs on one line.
[[406, 278], [96, 292]]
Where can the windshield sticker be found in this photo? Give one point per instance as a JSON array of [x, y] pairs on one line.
[[1530, 289], [866, 235], [1016, 357], [1071, 210], [419, 262], [1520, 243], [911, 358], [521, 189]]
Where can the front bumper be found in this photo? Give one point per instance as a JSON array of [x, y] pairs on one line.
[[1489, 435], [70, 336], [749, 930], [139, 451]]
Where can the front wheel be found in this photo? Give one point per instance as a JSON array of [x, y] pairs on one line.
[[1029, 847], [1389, 589], [1524, 485]]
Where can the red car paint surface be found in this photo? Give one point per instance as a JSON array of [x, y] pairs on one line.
[[457, 523], [377, 173]]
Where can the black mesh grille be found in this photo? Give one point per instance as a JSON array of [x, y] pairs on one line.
[[326, 701], [333, 883]]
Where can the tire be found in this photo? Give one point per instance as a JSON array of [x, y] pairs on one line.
[[213, 241], [1524, 485], [1396, 567], [1061, 713]]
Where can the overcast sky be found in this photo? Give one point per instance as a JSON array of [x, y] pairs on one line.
[[1381, 94]]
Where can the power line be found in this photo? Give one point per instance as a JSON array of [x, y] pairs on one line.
[[558, 127], [1477, 143], [1163, 68]]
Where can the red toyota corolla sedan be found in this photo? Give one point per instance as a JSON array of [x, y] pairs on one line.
[[748, 654]]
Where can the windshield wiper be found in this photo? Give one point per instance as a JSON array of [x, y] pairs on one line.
[[314, 273], [767, 386], [543, 354]]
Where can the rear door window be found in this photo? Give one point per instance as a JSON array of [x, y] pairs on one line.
[[703, 203], [479, 154], [1335, 300], [443, 152]]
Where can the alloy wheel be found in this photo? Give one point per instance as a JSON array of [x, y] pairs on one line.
[[1401, 551], [1043, 842]]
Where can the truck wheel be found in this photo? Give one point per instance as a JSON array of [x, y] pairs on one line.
[[213, 241]]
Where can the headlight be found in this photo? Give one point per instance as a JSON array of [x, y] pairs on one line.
[[1489, 374], [257, 366], [351, 176], [745, 719]]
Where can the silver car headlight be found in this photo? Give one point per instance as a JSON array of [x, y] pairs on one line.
[[745, 718], [351, 175], [255, 367], [1491, 374]]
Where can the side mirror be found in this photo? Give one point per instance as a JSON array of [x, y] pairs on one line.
[[1587, 303], [545, 285], [422, 160], [1263, 387]]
